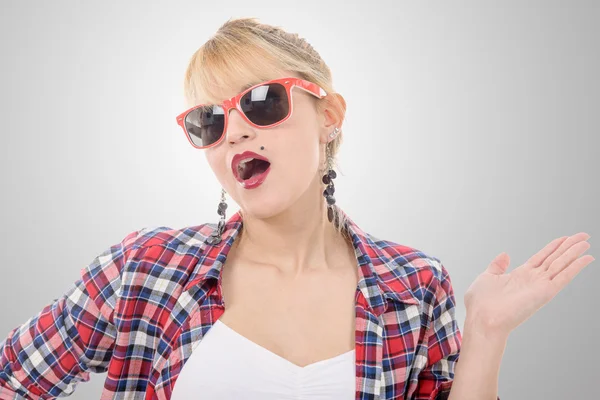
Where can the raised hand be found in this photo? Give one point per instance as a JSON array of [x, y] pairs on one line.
[[500, 302]]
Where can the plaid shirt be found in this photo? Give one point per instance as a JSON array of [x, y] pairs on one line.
[[141, 306]]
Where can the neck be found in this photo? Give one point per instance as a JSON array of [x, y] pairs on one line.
[[297, 241]]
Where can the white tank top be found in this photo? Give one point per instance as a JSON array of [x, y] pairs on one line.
[[226, 365]]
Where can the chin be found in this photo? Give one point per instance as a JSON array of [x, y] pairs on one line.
[[265, 206], [263, 209]]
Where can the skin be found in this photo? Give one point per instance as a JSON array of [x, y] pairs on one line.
[[286, 230], [502, 301], [497, 302], [285, 219]]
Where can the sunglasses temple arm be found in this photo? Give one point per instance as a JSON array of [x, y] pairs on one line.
[[311, 88]]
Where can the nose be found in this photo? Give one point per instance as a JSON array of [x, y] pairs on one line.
[[237, 128]]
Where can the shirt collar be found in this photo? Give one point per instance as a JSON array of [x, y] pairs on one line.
[[380, 276]]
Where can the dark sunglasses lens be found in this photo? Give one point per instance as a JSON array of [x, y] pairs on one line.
[[204, 125], [266, 104]]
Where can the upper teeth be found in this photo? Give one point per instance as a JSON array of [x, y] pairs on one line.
[[245, 160]]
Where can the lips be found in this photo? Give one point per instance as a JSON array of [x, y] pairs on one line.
[[241, 157]]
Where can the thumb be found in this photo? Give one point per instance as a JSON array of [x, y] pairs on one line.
[[499, 264]]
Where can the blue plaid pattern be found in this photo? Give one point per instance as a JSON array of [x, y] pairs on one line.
[[141, 306]]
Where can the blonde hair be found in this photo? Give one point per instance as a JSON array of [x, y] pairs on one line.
[[243, 51]]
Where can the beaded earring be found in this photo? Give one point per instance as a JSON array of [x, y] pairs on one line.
[[215, 237], [328, 178]]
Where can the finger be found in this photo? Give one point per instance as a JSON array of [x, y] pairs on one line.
[[566, 245], [537, 259], [565, 276], [567, 258]]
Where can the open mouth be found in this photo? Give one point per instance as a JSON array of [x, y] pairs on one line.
[[250, 169]]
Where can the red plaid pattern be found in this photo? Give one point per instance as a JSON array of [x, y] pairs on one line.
[[140, 307]]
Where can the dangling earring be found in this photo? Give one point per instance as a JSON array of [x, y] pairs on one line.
[[215, 237], [328, 180]]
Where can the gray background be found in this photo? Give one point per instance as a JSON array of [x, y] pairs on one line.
[[471, 129]]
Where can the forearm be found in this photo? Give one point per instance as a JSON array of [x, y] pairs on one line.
[[478, 367]]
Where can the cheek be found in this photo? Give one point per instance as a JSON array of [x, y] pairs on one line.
[[302, 154], [302, 148]]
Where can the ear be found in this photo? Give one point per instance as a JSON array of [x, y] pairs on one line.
[[331, 109]]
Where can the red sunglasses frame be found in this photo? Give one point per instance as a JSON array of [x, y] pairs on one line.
[[234, 102]]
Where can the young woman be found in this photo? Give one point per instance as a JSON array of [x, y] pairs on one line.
[[287, 298]]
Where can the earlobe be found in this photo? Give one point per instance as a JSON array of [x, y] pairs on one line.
[[333, 134], [329, 133], [330, 130], [334, 112]]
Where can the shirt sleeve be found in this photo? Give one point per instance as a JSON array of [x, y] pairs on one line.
[[443, 339], [74, 335]]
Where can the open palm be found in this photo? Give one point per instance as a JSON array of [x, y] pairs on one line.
[[500, 302]]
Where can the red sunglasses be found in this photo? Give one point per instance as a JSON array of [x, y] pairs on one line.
[[263, 105]]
